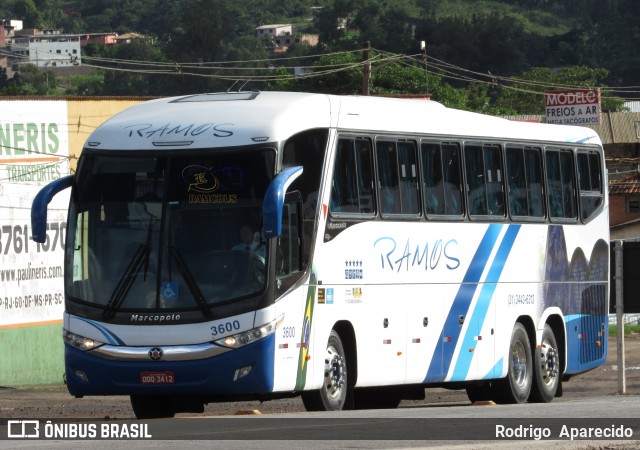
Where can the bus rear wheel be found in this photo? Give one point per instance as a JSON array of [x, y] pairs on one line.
[[516, 387], [547, 368], [152, 407], [335, 393]]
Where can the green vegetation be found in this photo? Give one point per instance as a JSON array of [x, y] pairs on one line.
[[628, 329], [492, 56]]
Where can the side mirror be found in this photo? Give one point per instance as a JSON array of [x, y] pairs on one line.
[[273, 203], [39, 207]]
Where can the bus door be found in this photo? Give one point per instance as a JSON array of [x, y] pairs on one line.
[[292, 302]]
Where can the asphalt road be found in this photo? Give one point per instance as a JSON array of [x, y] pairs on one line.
[[446, 426], [445, 420]]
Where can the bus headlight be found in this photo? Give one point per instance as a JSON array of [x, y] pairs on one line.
[[80, 342], [249, 336]]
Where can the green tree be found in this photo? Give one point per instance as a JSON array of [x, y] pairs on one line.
[[134, 79], [34, 81], [396, 78], [334, 22], [92, 85], [28, 12], [51, 15]]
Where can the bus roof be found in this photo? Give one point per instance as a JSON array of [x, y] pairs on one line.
[[246, 118]]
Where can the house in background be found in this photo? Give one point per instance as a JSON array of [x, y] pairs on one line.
[[281, 37], [624, 208], [46, 50], [128, 38], [100, 38], [273, 31]]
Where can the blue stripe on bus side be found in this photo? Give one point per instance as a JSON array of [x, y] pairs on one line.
[[479, 315], [497, 369], [443, 354]]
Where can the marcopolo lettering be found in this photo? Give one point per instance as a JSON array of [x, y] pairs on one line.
[[157, 318]]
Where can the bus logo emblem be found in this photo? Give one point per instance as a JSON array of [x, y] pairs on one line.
[[155, 354]]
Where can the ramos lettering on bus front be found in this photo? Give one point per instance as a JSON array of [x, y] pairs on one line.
[[574, 107], [149, 130]]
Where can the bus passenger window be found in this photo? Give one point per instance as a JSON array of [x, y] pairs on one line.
[[516, 182], [352, 184], [524, 180], [484, 180], [533, 166], [397, 177], [408, 175], [441, 178], [590, 181], [561, 184]]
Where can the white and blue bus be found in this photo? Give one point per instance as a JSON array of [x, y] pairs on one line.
[[351, 250]]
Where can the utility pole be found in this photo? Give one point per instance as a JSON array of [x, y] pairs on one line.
[[619, 279], [366, 68]]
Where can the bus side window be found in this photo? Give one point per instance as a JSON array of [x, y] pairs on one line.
[[561, 184], [533, 168], [397, 177], [516, 181], [289, 248], [484, 180], [388, 183], [408, 178], [352, 184], [452, 174], [441, 178], [524, 180], [590, 181], [432, 180]]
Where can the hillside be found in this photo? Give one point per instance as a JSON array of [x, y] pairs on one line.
[[505, 38]]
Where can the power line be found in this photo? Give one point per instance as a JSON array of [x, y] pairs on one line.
[[273, 71]]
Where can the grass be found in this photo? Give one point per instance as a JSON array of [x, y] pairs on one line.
[[628, 329]]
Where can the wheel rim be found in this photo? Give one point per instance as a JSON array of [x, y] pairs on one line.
[[335, 373], [519, 363], [548, 363]]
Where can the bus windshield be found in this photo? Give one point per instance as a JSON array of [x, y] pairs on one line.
[[167, 232]]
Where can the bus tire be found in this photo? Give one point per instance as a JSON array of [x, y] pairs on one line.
[[152, 407], [516, 386], [546, 371], [335, 393]]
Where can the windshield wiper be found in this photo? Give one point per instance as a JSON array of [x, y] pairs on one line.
[[126, 281], [191, 283]]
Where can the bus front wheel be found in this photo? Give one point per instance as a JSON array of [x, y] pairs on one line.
[[335, 393], [516, 387], [547, 368]]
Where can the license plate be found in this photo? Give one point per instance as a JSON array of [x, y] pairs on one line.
[[157, 378]]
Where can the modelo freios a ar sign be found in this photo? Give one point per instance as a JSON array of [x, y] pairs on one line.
[[573, 107]]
